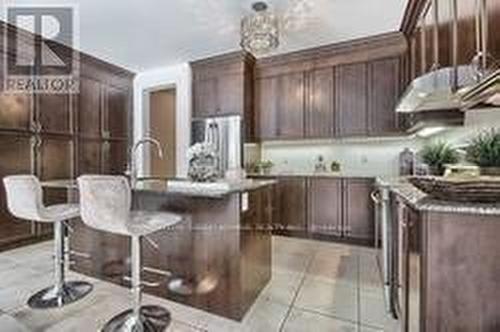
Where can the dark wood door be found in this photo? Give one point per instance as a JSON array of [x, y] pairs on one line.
[[266, 103], [115, 111], [205, 97], [16, 158], [351, 99], [359, 220], [114, 157], [293, 207], [89, 156], [383, 96], [325, 206], [320, 110], [291, 106], [89, 108]]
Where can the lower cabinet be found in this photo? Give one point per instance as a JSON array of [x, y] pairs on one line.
[[326, 206]]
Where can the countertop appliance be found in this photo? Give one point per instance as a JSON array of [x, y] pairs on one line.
[[225, 133]]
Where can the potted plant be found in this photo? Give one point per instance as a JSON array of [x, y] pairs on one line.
[[437, 155], [484, 151], [264, 166]]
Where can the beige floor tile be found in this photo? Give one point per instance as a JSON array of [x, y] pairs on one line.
[[295, 263], [287, 245], [300, 321], [337, 267], [282, 287], [336, 299], [370, 279], [372, 309]]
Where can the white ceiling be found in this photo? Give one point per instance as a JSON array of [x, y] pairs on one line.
[[145, 34]]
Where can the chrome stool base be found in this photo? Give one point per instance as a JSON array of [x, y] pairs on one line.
[[52, 298], [153, 319]]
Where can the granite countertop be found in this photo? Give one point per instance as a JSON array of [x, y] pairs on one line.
[[202, 190], [422, 202], [312, 174]]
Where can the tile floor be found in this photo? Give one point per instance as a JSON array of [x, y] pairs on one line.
[[315, 286]]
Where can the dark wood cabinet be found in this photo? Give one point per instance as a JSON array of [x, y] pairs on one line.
[[384, 91], [115, 106], [359, 222], [325, 206], [115, 157], [320, 106], [351, 106], [266, 96], [223, 85], [89, 108], [292, 203], [89, 156], [291, 96], [16, 153], [54, 113]]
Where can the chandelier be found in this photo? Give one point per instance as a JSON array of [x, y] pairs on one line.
[[259, 30]]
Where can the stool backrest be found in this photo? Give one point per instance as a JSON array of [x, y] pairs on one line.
[[105, 202], [24, 196]]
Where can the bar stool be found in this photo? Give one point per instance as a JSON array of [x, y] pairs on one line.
[[105, 203], [24, 201]]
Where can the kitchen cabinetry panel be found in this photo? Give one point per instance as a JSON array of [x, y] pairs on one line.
[[115, 105], [351, 99], [291, 106], [230, 91], [359, 221], [55, 113], [55, 157], [205, 97], [384, 93], [292, 201], [115, 157], [89, 108], [16, 158], [89, 156], [320, 116], [266, 93], [325, 206]]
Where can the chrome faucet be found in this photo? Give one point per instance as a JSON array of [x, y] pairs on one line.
[[132, 162]]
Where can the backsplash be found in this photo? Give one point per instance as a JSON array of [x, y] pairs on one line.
[[364, 157]]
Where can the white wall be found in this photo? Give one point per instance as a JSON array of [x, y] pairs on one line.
[[178, 76], [369, 157]]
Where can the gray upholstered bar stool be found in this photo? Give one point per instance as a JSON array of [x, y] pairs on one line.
[[105, 203], [24, 201]]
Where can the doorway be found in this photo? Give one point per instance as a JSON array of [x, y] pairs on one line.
[[162, 127]]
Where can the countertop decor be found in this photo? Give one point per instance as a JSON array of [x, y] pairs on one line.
[[203, 161], [484, 151]]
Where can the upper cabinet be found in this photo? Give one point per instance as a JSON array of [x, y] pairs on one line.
[[343, 90], [115, 103], [320, 107], [223, 85], [351, 82], [384, 92]]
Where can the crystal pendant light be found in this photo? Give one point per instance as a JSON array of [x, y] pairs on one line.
[[259, 30]]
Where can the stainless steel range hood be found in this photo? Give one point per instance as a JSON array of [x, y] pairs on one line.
[[440, 98]]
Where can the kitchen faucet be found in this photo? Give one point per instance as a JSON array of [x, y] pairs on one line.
[[132, 161]]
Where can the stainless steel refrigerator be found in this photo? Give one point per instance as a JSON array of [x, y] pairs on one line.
[[226, 134]]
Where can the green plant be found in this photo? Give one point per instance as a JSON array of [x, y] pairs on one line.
[[484, 149], [439, 154]]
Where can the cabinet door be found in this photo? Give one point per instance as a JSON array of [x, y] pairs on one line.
[[115, 111], [266, 103], [293, 204], [55, 113], [15, 109], [466, 31], [384, 92], [89, 156], [230, 94], [291, 106], [114, 157], [205, 97], [359, 220], [351, 99], [16, 158], [320, 107], [325, 206], [493, 11], [89, 108]]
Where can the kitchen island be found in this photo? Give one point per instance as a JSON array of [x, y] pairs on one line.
[[447, 261], [218, 258]]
